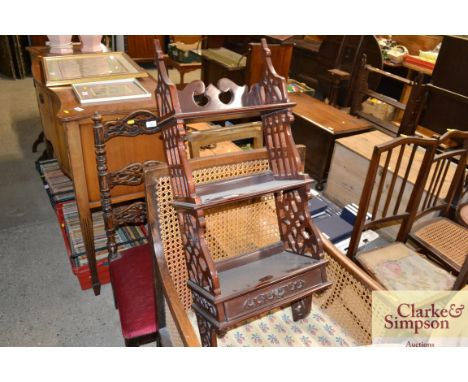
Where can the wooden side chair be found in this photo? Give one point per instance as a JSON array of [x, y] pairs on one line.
[[441, 237], [411, 110], [393, 199], [341, 315], [131, 270], [462, 205]]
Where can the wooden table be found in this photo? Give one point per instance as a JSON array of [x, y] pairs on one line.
[[318, 125], [68, 127], [218, 148], [222, 63], [182, 68]]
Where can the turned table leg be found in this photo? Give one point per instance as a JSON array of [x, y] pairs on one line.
[[86, 224], [82, 199]]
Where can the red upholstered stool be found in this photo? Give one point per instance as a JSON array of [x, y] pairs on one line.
[[132, 279]]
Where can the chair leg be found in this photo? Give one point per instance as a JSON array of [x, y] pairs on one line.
[[462, 278], [158, 340], [143, 340], [301, 308], [132, 342]]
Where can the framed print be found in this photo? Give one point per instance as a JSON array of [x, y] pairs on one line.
[[79, 68], [106, 91]]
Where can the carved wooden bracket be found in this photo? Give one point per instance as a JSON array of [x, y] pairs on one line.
[[136, 123], [135, 213], [131, 175]]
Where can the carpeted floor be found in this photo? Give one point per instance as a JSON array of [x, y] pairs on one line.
[[41, 303]]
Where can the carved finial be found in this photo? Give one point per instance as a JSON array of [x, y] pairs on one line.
[[97, 118]]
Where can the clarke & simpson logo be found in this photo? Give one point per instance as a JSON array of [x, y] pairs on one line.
[[409, 317], [420, 318]]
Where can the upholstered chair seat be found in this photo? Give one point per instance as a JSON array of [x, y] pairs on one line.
[[398, 267], [133, 287]]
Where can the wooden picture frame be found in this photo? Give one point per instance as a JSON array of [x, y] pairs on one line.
[[74, 69], [110, 91]]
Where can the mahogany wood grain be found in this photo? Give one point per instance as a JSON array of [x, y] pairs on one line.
[[141, 47], [326, 117], [281, 56]]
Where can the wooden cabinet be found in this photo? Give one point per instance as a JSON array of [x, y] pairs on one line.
[[318, 125], [68, 128], [141, 48]]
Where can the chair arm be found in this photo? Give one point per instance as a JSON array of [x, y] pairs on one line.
[[350, 266], [181, 320]]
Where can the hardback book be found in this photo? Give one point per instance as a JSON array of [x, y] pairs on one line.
[[349, 213], [317, 206], [368, 238], [334, 228]]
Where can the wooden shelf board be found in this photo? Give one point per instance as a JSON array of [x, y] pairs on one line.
[[264, 271], [242, 188]]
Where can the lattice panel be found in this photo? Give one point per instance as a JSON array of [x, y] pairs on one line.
[[170, 234], [195, 248], [348, 301], [251, 226], [176, 156], [298, 232], [283, 154]]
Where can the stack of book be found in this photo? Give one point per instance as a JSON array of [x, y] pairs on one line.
[[337, 224]]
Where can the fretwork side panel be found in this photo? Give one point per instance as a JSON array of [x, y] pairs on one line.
[[199, 263], [176, 156], [298, 233], [284, 158]]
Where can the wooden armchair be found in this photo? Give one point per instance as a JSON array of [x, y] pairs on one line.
[[341, 315], [440, 237], [392, 200], [411, 110], [131, 270]]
